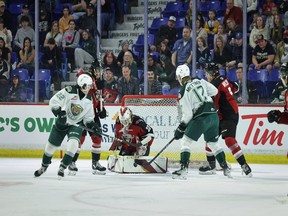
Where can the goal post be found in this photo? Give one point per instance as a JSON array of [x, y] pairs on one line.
[[163, 114]]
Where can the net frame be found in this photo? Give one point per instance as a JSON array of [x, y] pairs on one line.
[[162, 105]]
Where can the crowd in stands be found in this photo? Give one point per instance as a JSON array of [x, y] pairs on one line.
[[71, 34]]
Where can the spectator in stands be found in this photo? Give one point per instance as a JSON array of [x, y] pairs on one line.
[[165, 59], [280, 91], [4, 77], [276, 33], [88, 21], [200, 31], [86, 53], [55, 34], [237, 53], [6, 34], [251, 6], [202, 54], [233, 12], [154, 66], [44, 26], [232, 29], [70, 41], [283, 10], [222, 53], [23, 32], [64, 20], [17, 91], [253, 22], [221, 32], [125, 47], [260, 28], [7, 17], [154, 87], [110, 89], [282, 51], [181, 52], [110, 61], [251, 90], [263, 54], [211, 25], [167, 33], [25, 12], [27, 56], [6, 54], [189, 17], [127, 84], [270, 19], [79, 8], [52, 59], [267, 7], [128, 61]]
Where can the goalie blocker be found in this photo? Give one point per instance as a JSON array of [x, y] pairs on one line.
[[126, 164]]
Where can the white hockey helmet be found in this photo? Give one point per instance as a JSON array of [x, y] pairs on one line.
[[181, 72], [125, 116], [84, 81]]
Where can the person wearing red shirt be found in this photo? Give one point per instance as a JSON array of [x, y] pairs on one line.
[[233, 12]]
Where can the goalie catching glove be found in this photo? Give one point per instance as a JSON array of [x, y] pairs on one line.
[[179, 132], [273, 115]]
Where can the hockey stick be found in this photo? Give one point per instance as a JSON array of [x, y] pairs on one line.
[[145, 163], [111, 137]]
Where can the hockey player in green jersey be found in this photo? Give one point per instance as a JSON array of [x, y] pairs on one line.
[[72, 106], [199, 116]]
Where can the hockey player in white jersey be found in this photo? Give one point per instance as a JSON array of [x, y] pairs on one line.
[[199, 116], [72, 106]]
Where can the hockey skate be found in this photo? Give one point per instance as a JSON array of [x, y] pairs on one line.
[[209, 169], [97, 169], [181, 173], [227, 172], [40, 171], [247, 170], [61, 172], [72, 169]]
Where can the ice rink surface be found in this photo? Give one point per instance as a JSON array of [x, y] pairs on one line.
[[140, 194]]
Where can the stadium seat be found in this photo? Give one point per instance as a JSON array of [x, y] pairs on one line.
[[139, 44], [22, 73], [155, 56], [172, 9], [259, 78], [29, 95], [273, 79], [45, 74], [231, 75], [57, 13], [42, 88], [140, 74], [14, 57], [156, 23], [200, 74], [15, 8]]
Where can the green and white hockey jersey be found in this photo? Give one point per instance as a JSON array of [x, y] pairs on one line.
[[195, 99], [77, 109]]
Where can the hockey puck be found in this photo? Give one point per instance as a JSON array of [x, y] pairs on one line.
[[134, 164]]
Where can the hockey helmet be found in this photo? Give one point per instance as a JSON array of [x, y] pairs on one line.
[[85, 83], [181, 72], [212, 69], [125, 116], [284, 71]]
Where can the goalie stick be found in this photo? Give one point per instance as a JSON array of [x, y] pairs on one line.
[[145, 163], [111, 137]]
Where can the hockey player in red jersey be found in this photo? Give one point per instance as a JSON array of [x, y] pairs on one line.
[[133, 129], [100, 113], [276, 115], [228, 115]]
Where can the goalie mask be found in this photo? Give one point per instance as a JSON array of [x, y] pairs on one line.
[[182, 71], [125, 116], [85, 83]]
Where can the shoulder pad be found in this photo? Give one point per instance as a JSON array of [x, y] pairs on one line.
[[68, 89]]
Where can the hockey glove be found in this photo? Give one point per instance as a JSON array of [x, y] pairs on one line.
[[93, 126], [62, 118], [179, 132], [273, 115], [102, 114]]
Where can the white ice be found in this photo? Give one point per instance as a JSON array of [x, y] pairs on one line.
[[266, 193]]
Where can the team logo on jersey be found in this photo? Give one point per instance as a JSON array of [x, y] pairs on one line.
[[76, 109]]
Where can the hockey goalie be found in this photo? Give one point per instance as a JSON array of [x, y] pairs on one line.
[[276, 115], [133, 129]]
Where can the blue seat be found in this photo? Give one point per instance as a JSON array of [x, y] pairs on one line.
[[42, 88], [259, 78], [15, 8], [155, 56], [14, 57], [22, 73], [231, 75], [139, 44], [200, 74], [57, 13], [156, 23], [140, 74], [172, 9], [29, 95], [273, 79], [45, 74]]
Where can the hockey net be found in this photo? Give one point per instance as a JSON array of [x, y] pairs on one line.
[[163, 114]]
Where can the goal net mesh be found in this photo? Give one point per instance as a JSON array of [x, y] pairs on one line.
[[163, 114]]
